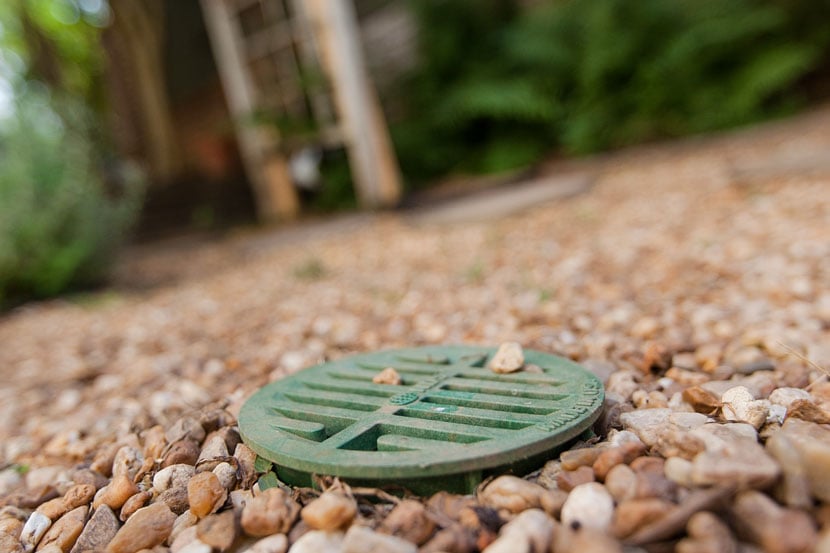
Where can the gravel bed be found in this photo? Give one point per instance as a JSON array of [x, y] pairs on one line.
[[694, 280]]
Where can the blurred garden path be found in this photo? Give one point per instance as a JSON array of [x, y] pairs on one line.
[[711, 242]]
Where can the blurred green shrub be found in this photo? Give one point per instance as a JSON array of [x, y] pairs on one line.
[[64, 206], [59, 225], [499, 87]]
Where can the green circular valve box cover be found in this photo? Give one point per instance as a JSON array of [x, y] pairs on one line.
[[449, 423]]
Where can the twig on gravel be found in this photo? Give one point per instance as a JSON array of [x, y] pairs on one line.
[[825, 373]]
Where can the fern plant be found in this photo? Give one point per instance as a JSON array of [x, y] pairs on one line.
[[500, 87]]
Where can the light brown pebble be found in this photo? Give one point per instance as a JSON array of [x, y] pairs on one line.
[[454, 538], [649, 400], [226, 474], [184, 539], [651, 479], [575, 458], [65, 531], [808, 411], [271, 512], [239, 498], [409, 520], [53, 509], [205, 494], [552, 500], [175, 498], [679, 471], [77, 495], [214, 447], [98, 532], [89, 477], [567, 540], [319, 541], [154, 441], [612, 457], [778, 530], [186, 427], [531, 531], [633, 514], [173, 476], [687, 378], [508, 358], [810, 443], [148, 527], [11, 526], [512, 493], [183, 452], [738, 404], [116, 493], [195, 546], [10, 544], [707, 534], [133, 504], [276, 543], [104, 458], [621, 482], [218, 531], [731, 458], [360, 539], [184, 521], [387, 376], [245, 459], [449, 505], [569, 479], [331, 511]]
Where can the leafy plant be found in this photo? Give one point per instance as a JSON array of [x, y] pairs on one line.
[[61, 220], [59, 226], [499, 88]]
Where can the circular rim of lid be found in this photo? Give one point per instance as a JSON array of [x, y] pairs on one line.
[[330, 419]]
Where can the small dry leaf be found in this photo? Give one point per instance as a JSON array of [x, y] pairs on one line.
[[702, 400], [806, 410]]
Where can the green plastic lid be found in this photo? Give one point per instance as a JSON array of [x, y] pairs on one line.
[[448, 424]]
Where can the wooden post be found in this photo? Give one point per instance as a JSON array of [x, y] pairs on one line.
[[371, 157], [265, 166]]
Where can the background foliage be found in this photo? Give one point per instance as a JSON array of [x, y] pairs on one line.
[[60, 224], [497, 88]]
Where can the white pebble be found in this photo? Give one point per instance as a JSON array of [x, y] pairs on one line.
[[33, 530], [318, 541], [360, 539], [196, 546], [173, 476], [620, 437], [739, 405], [777, 413], [226, 474], [276, 543], [530, 531], [785, 396], [588, 506], [678, 469]]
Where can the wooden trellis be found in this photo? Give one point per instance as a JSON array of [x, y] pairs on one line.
[[263, 49]]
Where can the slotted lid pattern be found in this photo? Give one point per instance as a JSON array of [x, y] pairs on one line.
[[451, 415]]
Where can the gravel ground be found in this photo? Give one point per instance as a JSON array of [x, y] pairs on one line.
[[692, 279]]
